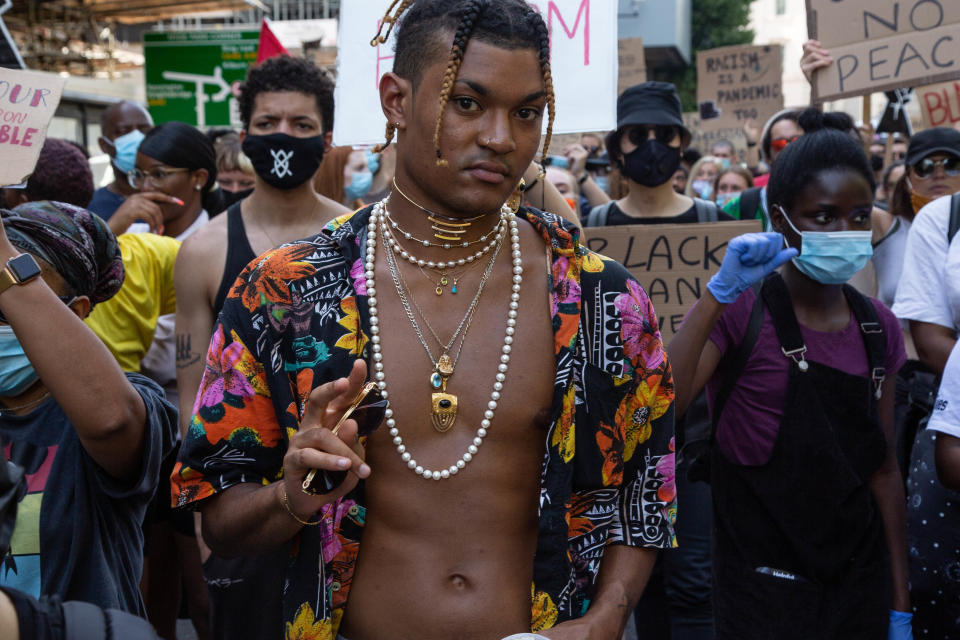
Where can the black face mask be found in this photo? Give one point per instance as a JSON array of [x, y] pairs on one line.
[[876, 162], [283, 161], [232, 197], [652, 163]]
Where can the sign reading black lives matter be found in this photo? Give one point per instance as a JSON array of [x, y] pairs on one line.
[[736, 84], [884, 44], [673, 262]]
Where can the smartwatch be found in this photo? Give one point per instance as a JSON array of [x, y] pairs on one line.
[[19, 270]]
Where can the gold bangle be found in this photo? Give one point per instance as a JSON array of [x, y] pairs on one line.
[[286, 505]]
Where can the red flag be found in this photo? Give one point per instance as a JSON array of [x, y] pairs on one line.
[[269, 44]]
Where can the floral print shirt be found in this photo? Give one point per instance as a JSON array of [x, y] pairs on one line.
[[297, 317]]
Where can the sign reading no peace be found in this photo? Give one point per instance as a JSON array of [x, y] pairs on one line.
[[884, 44], [583, 60]]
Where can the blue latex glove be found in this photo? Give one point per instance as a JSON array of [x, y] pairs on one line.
[[749, 258], [900, 627]]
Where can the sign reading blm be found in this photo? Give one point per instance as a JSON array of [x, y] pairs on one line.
[[884, 44], [672, 262], [734, 85], [193, 76]]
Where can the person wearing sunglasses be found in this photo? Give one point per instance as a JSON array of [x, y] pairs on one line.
[[647, 148], [928, 297], [90, 438]]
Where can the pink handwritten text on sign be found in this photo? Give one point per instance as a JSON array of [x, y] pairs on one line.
[[553, 13]]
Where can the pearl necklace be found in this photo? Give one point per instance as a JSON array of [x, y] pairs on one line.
[[369, 266]]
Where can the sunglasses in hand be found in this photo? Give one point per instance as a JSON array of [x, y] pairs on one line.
[[926, 167], [368, 410]]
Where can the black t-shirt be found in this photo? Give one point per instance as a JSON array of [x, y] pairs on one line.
[[618, 217], [78, 533]]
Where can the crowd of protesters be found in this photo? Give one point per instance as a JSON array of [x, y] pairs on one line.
[[180, 347]]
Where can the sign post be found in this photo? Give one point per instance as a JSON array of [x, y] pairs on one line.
[[192, 76], [736, 84], [583, 58], [27, 104], [673, 262], [884, 44]]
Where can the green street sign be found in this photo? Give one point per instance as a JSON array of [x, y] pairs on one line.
[[191, 75]]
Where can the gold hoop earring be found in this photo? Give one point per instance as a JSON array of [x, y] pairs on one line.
[[516, 198]]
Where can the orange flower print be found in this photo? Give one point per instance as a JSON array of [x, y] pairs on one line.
[[355, 340], [564, 431], [545, 612], [611, 445], [267, 281]]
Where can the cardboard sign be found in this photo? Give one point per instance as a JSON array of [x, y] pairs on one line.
[[736, 84], [673, 262], [940, 104], [27, 103], [884, 44], [583, 63], [632, 62], [192, 76]]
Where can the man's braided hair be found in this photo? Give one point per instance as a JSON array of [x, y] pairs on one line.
[[511, 24]]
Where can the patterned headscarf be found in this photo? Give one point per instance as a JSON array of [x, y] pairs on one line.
[[77, 243]]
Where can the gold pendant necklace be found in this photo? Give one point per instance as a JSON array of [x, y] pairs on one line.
[[443, 405]]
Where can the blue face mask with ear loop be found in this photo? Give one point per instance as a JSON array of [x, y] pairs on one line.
[[126, 150], [831, 257], [16, 372]]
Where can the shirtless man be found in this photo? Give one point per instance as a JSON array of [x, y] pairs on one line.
[[551, 525]]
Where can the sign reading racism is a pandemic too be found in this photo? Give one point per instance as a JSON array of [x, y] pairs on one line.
[[583, 59], [737, 84], [673, 262], [27, 103], [884, 44]]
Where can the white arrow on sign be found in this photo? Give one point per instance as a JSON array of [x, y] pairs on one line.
[[201, 97]]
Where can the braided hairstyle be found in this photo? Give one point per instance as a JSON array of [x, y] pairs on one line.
[[510, 24]]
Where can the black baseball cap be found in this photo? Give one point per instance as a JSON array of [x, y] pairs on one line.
[[652, 103], [931, 141]]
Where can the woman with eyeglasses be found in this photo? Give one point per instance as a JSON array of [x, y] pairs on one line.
[[175, 176]]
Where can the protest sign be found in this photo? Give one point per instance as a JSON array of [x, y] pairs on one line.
[[734, 85], [940, 104], [884, 44], [673, 262], [27, 103], [583, 61], [632, 63], [192, 76]]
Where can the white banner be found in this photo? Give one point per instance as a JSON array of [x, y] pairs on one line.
[[583, 61]]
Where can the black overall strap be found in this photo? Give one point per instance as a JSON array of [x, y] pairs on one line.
[[777, 298], [873, 336]]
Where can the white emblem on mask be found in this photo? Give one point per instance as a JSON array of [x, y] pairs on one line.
[[281, 163]]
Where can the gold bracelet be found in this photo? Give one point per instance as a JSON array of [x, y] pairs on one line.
[[286, 505]]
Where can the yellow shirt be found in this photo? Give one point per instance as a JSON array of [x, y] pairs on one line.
[[126, 322]]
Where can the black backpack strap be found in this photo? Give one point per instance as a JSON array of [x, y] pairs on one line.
[[598, 215], [706, 210], [954, 224], [873, 337], [777, 298], [750, 204], [738, 359]]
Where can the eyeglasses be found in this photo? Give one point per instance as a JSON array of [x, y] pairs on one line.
[[67, 300], [925, 168], [664, 133], [137, 178], [779, 144], [368, 409]]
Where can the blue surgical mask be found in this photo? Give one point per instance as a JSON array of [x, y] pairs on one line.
[[724, 198], [724, 164], [126, 147], [603, 182], [16, 372], [831, 257], [373, 161], [359, 186], [703, 188]]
